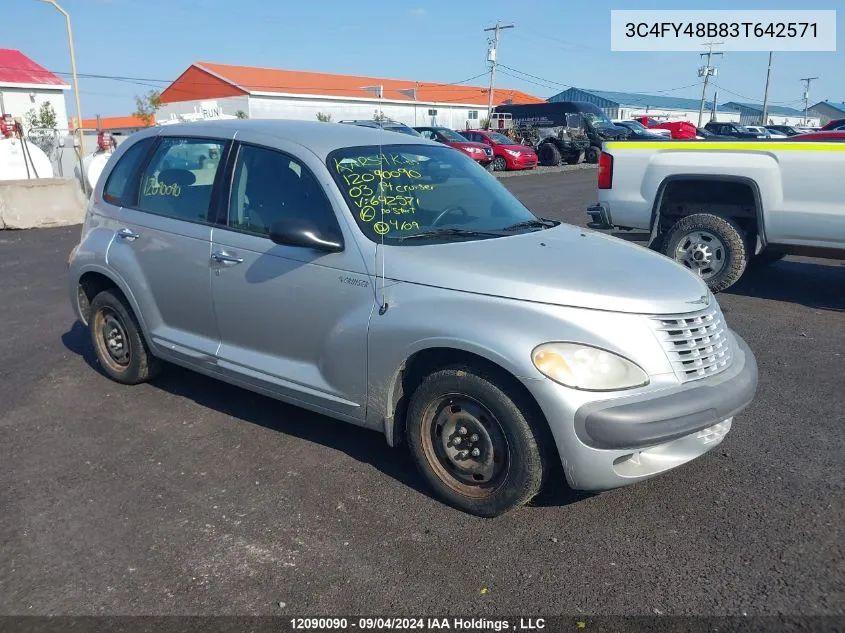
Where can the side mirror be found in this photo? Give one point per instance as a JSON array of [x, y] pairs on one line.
[[296, 232]]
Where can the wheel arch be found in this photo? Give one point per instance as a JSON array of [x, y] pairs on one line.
[[423, 362], [752, 185], [94, 280]]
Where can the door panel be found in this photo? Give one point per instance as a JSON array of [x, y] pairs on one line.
[[291, 319], [162, 247]]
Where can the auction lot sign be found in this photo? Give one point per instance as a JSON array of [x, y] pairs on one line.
[[427, 624], [741, 30]]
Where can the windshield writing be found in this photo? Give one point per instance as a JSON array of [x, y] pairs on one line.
[[398, 190]]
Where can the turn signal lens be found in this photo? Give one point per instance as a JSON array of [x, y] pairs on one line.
[[588, 368]]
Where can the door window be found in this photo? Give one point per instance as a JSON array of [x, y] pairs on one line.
[[177, 182], [269, 186], [118, 186]]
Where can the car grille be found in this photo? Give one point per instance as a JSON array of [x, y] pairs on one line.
[[489, 152], [697, 343]]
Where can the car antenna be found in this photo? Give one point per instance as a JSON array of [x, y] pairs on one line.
[[380, 115]]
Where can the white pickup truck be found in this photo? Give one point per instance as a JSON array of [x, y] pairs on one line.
[[718, 206]]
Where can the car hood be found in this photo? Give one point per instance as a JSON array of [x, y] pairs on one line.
[[468, 144], [564, 265], [515, 147]]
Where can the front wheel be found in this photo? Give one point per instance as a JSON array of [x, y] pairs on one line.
[[499, 164], [711, 246], [479, 445]]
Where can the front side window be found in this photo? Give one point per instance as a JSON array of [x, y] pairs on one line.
[[395, 191], [178, 180], [118, 186], [269, 186]]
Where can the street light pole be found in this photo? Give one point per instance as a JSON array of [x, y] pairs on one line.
[[75, 85]]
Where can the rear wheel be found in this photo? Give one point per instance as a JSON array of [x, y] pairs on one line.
[[591, 154], [549, 155], [711, 246], [479, 445], [117, 340], [499, 164]]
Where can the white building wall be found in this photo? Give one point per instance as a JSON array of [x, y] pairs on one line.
[[227, 105], [19, 101], [306, 109]]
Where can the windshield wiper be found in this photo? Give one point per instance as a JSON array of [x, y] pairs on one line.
[[527, 224], [445, 232]]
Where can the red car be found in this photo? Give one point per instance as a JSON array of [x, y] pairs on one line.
[[507, 154], [476, 151], [679, 129], [832, 135], [836, 124]]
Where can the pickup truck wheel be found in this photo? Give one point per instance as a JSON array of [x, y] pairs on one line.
[[478, 445], [549, 155], [591, 155], [499, 164], [118, 342], [711, 246]]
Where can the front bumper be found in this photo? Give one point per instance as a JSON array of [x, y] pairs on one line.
[[612, 442], [523, 162]]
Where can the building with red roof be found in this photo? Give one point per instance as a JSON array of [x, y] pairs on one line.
[[25, 86], [292, 94]]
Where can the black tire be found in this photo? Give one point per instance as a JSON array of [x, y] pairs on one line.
[[732, 250], [549, 155], [766, 258], [130, 361], [500, 164], [574, 159], [591, 154], [482, 404]]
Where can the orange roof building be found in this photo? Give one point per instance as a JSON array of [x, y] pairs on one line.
[[292, 94]]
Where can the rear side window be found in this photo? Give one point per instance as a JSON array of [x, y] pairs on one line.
[[178, 180], [119, 186]]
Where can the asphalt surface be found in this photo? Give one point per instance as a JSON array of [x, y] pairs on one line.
[[188, 496]]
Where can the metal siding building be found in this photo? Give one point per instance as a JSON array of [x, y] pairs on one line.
[[828, 110], [629, 105], [752, 113]]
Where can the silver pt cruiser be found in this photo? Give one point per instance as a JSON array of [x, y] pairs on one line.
[[390, 282]]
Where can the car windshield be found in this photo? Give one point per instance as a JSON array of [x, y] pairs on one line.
[[395, 191], [499, 139], [451, 135], [597, 120]]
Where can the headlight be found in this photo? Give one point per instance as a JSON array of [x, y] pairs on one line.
[[512, 153], [588, 368]]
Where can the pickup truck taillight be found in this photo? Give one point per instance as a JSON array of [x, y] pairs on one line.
[[605, 171]]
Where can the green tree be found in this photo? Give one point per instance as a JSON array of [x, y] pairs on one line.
[[241, 114], [41, 127], [325, 118], [147, 105]]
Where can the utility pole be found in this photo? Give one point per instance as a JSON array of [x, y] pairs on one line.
[[706, 71], [807, 97], [713, 110], [492, 57], [766, 93]]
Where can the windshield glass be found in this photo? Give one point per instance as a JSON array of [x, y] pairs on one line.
[[500, 139], [451, 135], [398, 190], [597, 120]]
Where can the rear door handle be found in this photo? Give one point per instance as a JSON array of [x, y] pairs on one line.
[[128, 234], [224, 258]]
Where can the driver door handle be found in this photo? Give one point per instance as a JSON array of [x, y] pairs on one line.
[[224, 258]]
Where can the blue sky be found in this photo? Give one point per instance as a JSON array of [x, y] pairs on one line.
[[563, 42]]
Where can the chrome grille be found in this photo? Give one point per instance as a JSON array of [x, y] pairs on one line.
[[697, 343]]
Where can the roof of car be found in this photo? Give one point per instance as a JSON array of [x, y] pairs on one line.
[[321, 138]]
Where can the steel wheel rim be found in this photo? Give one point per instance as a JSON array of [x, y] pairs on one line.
[[702, 252], [112, 340], [499, 164], [465, 445]]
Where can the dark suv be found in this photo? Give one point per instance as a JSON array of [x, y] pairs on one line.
[[731, 129]]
